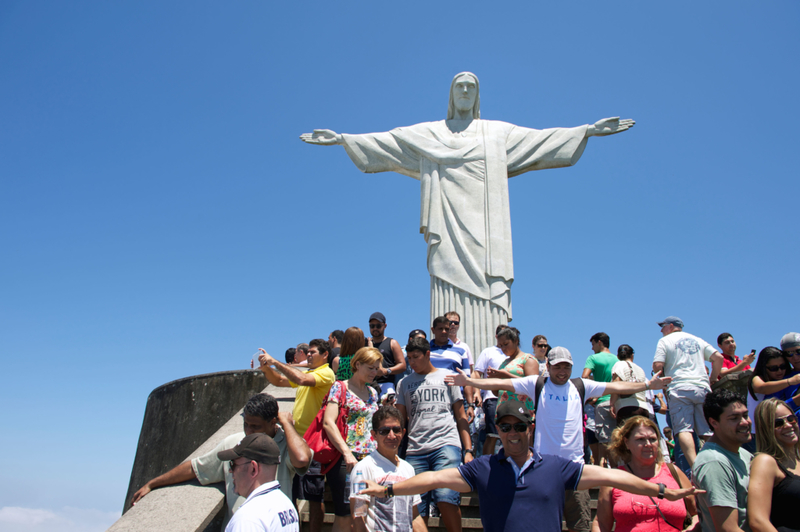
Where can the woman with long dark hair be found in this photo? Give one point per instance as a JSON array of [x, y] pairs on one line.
[[353, 341], [772, 376]]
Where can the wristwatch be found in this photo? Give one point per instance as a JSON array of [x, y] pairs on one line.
[[661, 489]]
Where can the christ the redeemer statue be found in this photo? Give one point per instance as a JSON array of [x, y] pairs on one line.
[[463, 164]]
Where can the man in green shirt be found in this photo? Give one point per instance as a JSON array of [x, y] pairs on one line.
[[722, 467], [598, 367]]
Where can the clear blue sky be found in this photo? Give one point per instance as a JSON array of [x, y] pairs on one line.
[[160, 218]]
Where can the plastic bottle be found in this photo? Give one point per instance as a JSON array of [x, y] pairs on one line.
[[361, 484]]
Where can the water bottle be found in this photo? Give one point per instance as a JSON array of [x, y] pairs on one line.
[[360, 482], [347, 488]]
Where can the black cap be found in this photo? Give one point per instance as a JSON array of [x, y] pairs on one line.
[[417, 332], [512, 408], [258, 447], [378, 316]]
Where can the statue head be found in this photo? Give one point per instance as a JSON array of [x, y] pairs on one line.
[[458, 81]]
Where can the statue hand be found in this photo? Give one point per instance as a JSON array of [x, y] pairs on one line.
[[325, 137], [609, 126]]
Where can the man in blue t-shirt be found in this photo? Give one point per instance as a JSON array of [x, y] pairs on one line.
[[521, 490]]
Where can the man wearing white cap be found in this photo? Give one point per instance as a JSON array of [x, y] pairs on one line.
[[790, 345], [682, 356], [254, 464], [559, 415]]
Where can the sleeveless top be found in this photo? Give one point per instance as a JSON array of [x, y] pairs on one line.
[[344, 371], [515, 367], [637, 513], [785, 498], [385, 348]]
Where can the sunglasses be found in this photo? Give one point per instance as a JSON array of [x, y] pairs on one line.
[[542, 346], [518, 427], [776, 368], [384, 431], [375, 325], [234, 465], [792, 354], [453, 322], [781, 421]]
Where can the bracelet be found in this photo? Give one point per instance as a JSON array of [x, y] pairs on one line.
[[661, 489], [646, 385]]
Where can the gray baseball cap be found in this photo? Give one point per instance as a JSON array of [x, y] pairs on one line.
[[559, 354], [674, 320], [790, 340]]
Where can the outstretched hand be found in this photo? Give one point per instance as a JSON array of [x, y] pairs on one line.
[[609, 126], [676, 495], [457, 379], [658, 382], [325, 137], [373, 489]]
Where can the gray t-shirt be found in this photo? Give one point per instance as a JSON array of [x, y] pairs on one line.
[[725, 477], [429, 404]]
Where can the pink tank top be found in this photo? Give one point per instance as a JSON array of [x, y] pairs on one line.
[[638, 513]]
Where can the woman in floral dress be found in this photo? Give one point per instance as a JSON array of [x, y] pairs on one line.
[[360, 401]]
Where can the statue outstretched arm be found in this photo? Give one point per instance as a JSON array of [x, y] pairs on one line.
[[607, 126], [325, 137]]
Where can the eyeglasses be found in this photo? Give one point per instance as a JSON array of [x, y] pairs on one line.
[[781, 421], [518, 427], [541, 346], [454, 322], [384, 431], [776, 368], [792, 353], [375, 325], [234, 465]]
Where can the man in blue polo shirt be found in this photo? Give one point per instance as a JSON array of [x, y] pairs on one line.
[[521, 490]]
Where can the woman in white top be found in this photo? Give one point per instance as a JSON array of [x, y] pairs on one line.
[[626, 406]]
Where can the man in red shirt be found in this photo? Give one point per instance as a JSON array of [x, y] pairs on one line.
[[730, 362]]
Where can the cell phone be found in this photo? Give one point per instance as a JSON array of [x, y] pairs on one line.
[[753, 352]]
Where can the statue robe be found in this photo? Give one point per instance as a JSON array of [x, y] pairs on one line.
[[465, 213]]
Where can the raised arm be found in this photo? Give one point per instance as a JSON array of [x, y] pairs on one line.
[[746, 361], [629, 388], [323, 137], [299, 453], [294, 375], [759, 386], [609, 126], [461, 379], [430, 480]]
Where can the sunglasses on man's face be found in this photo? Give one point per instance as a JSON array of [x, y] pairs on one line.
[[792, 353], [518, 427], [781, 421], [384, 431], [454, 322], [776, 368]]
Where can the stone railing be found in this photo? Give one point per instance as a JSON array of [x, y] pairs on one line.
[[184, 419]]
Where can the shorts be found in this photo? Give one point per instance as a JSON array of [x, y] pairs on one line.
[[489, 412], [577, 510], [603, 422], [311, 486], [686, 411], [629, 411], [443, 458]]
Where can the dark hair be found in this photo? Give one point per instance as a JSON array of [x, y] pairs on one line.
[[322, 345], [624, 352], [766, 354], [338, 334], [441, 320], [417, 332], [261, 405], [722, 337], [352, 342], [500, 328], [509, 333], [289, 356], [418, 344], [602, 338], [717, 401], [386, 412], [539, 337]]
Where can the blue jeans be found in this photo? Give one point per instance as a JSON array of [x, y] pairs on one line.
[[438, 460]]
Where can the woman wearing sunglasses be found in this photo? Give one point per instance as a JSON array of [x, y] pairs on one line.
[[774, 490], [637, 444], [772, 377]]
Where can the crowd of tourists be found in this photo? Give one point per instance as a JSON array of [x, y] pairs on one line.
[[396, 433]]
